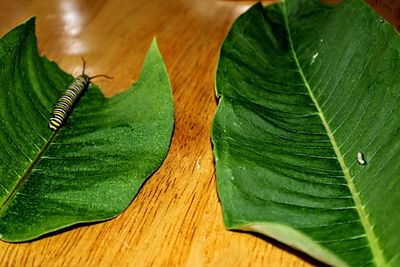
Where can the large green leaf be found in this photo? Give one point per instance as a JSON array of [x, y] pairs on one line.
[[92, 168], [304, 87]]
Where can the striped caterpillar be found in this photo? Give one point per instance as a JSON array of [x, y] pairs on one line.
[[70, 97]]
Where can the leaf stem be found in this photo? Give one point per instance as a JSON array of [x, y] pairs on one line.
[[376, 250], [13, 192]]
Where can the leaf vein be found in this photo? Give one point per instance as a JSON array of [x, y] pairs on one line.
[[371, 237]]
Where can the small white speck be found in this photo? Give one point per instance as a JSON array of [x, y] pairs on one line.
[[314, 57], [198, 164], [125, 244], [321, 40]]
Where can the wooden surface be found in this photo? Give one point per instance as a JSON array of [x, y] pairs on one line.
[[176, 218]]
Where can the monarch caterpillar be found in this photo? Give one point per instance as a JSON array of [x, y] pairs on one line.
[[360, 158], [69, 98]]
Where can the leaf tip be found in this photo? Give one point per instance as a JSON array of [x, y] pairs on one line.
[[29, 24], [154, 46]]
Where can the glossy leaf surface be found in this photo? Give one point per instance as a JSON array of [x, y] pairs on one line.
[[90, 169], [305, 87]]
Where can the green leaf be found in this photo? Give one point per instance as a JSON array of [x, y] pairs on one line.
[[90, 169], [304, 87]]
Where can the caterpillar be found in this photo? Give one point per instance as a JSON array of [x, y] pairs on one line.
[[70, 97], [360, 158]]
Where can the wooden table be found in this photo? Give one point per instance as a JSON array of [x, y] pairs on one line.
[[176, 218]]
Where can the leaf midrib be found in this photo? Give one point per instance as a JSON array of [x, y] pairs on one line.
[[376, 250], [14, 190]]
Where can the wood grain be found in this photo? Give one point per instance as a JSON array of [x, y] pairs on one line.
[[176, 218]]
